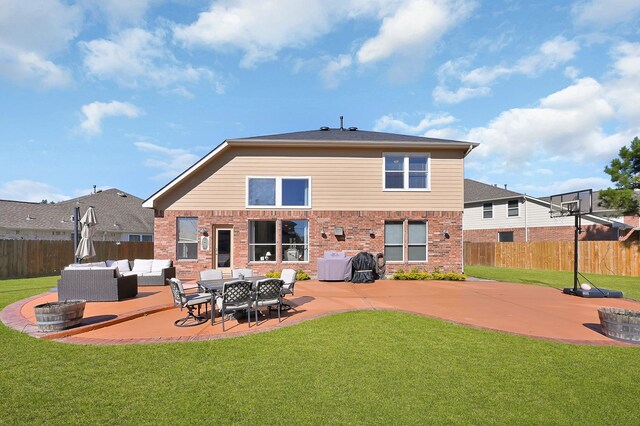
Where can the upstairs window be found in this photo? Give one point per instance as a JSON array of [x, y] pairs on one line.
[[292, 192], [512, 209], [487, 211], [406, 172]]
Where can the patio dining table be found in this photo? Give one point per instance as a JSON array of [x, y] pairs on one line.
[[215, 287]]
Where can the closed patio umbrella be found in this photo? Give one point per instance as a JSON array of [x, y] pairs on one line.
[[89, 222]]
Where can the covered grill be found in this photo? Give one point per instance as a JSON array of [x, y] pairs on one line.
[[365, 268]]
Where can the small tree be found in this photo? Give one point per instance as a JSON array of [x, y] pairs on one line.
[[625, 173]]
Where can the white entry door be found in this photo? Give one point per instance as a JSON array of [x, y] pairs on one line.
[[223, 259]]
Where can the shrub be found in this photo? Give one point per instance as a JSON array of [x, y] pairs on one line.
[[416, 274], [300, 275]]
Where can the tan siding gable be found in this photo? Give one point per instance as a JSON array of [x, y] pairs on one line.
[[341, 179]]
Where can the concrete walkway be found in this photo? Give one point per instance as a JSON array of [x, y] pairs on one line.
[[534, 311]]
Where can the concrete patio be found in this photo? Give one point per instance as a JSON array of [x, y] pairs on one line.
[[534, 311]]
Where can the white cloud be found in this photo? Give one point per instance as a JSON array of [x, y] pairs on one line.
[[562, 186], [26, 67], [136, 57], [28, 190], [390, 123], [414, 28], [475, 82], [585, 123], [262, 29], [335, 70], [30, 33], [443, 95], [172, 161], [95, 112], [605, 13], [120, 13]]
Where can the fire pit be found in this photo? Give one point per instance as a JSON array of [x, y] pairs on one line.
[[56, 316], [620, 324]]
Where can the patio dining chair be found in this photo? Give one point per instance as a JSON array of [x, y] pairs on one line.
[[235, 273], [210, 274], [288, 276], [236, 296], [190, 302], [268, 293]]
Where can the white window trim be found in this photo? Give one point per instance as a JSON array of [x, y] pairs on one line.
[[278, 204], [426, 244], [492, 211], [405, 171]]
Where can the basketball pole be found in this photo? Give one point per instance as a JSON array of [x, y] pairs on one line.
[[575, 254]]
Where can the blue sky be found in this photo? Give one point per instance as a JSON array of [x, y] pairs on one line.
[[129, 93]]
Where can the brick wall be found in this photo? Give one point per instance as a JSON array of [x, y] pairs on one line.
[[444, 253], [549, 233]]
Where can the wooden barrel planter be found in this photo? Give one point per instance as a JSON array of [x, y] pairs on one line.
[[56, 316], [620, 324]]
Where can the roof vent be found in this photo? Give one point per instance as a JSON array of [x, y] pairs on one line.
[[122, 194], [353, 129], [324, 128], [29, 217]]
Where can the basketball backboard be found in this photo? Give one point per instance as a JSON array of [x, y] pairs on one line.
[[574, 203]]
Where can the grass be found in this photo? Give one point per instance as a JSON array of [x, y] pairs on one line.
[[356, 368], [630, 286]]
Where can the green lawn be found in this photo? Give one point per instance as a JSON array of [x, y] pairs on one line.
[[356, 368], [630, 286]]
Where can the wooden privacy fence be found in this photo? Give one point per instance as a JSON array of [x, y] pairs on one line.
[[595, 257], [36, 258]]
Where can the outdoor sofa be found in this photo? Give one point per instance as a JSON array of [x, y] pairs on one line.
[[96, 284], [113, 279]]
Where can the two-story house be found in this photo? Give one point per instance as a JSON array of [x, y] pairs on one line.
[[270, 202], [495, 214]]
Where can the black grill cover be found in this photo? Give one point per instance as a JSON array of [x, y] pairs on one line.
[[364, 268]]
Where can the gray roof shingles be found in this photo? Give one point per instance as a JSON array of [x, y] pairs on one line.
[[124, 210], [347, 135], [475, 191]]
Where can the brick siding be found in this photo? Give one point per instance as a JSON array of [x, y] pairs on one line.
[[444, 252]]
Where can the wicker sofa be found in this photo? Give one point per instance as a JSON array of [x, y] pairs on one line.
[[112, 280], [96, 285], [148, 271]]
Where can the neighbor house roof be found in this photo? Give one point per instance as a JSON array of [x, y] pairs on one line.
[[478, 192], [116, 210], [325, 137], [475, 192]]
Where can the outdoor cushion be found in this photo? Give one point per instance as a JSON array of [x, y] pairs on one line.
[[151, 274], [123, 265], [142, 265], [78, 266], [127, 273], [109, 262], [158, 265]]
